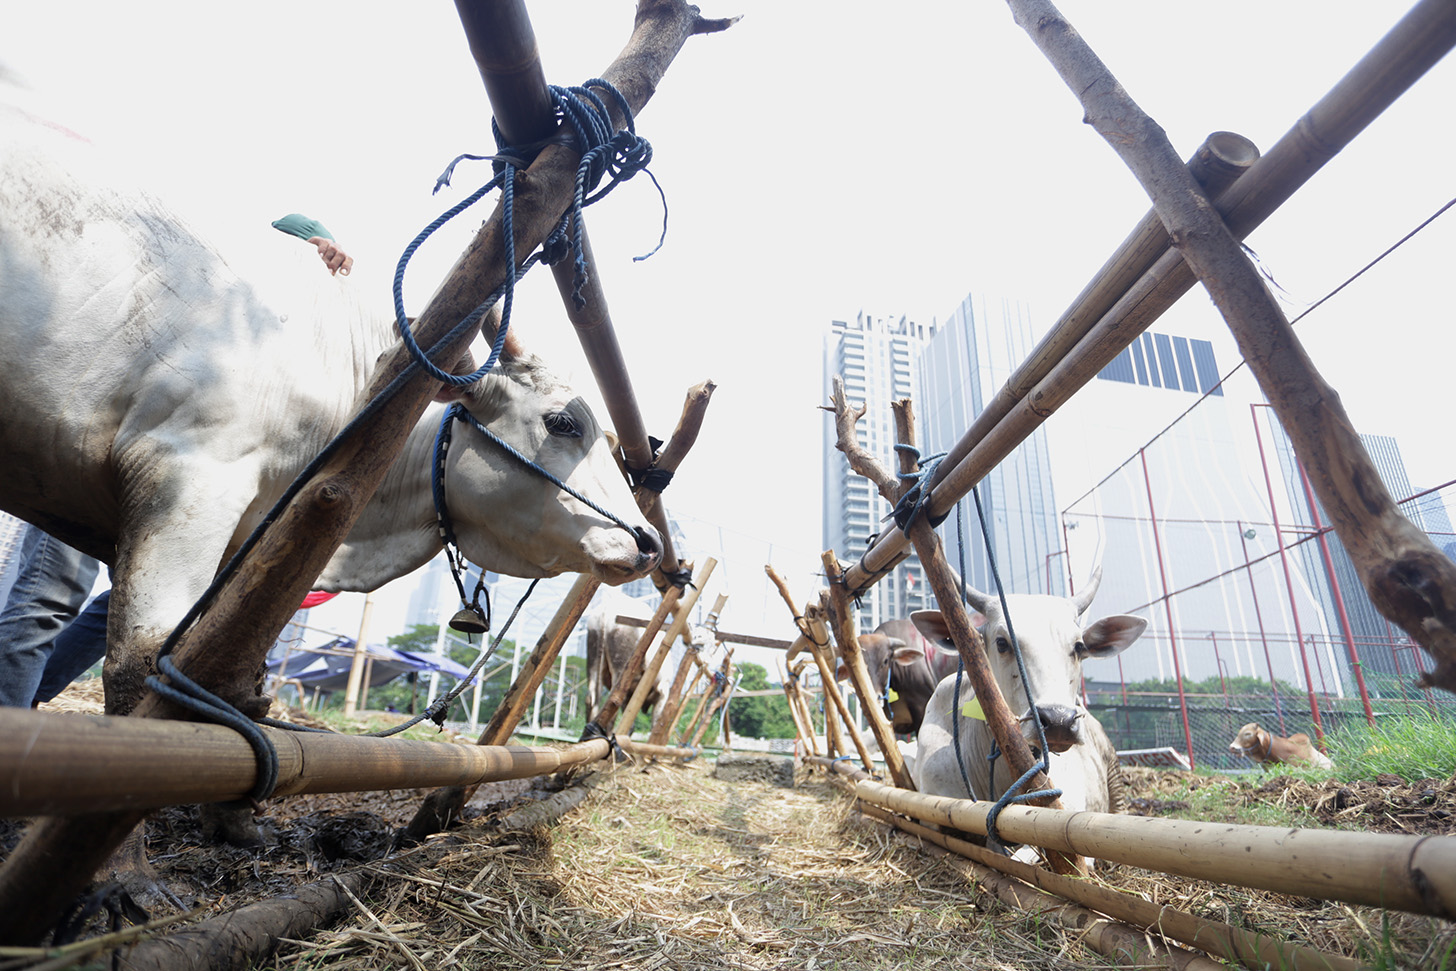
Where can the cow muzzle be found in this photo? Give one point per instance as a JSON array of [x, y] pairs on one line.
[[649, 548], [1062, 724]]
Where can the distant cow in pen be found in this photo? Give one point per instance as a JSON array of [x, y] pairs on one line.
[[1264, 747]]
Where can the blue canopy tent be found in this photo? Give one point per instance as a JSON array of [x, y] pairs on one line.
[[326, 667]]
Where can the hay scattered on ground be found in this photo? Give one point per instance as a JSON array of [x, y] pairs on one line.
[[668, 867]]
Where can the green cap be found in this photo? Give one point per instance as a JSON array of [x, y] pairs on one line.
[[297, 224]]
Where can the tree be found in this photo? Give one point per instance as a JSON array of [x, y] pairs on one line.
[[760, 717]]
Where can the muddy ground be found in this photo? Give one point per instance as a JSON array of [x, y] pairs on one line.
[[665, 866]]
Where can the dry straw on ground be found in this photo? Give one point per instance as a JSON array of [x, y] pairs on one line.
[[668, 867], [664, 866]]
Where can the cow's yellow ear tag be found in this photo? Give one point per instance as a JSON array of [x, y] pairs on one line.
[[972, 709], [893, 695]]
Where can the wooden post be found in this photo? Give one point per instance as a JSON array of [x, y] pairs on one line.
[[720, 689], [357, 665], [57, 857], [691, 693], [666, 715], [822, 657], [533, 673], [679, 625], [668, 709], [842, 618], [628, 678], [1407, 577]]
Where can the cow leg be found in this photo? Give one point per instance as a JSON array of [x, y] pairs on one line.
[[165, 559]]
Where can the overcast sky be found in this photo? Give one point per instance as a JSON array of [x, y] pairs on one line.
[[819, 159]]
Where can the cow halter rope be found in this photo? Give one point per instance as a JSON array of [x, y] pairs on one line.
[[603, 151], [912, 504]]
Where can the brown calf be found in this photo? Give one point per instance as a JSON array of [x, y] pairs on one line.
[[1266, 748]]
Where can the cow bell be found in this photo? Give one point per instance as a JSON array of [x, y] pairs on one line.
[[468, 620]]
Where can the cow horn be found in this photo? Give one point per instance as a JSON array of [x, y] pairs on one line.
[[1083, 600]]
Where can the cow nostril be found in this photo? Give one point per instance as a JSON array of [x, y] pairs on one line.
[[648, 542], [1062, 717]]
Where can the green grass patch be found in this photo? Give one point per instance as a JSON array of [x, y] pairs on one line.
[[1414, 747]]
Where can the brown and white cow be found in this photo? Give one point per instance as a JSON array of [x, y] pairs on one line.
[[1054, 643], [1264, 747], [904, 666]]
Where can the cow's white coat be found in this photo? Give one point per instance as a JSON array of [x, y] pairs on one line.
[[156, 404], [1053, 643]]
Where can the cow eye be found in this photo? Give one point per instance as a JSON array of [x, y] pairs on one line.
[[562, 424], [1003, 645], [1079, 648]]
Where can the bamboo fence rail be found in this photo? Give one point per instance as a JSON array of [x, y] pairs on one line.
[[57, 763]]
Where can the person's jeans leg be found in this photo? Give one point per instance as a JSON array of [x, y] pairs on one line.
[[79, 647], [54, 582]]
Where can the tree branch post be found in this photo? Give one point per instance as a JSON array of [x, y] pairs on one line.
[[841, 616]]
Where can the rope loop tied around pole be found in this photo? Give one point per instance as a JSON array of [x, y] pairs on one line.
[[916, 500], [604, 151], [188, 694]]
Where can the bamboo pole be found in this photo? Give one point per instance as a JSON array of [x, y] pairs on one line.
[[57, 763], [626, 680], [842, 619], [444, 806], [820, 651], [1121, 941], [1252, 949], [679, 625], [660, 751], [56, 858], [1409, 580], [1410, 873]]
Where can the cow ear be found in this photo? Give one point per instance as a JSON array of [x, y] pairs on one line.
[[841, 671], [931, 624], [1112, 635], [905, 654]]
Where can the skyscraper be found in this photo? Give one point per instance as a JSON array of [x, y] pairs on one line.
[[879, 359], [965, 363], [1178, 515]]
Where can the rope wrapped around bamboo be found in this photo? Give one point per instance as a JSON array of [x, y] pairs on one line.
[[53, 763], [1410, 873]]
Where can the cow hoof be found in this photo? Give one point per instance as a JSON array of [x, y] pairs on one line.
[[232, 824]]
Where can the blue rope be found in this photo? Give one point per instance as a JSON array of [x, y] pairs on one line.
[[188, 694], [1010, 796], [605, 151], [458, 412], [631, 155], [916, 499]]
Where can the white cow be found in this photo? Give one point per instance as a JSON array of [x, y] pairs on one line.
[[154, 407], [1053, 643]]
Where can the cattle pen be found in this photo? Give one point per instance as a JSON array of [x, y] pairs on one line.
[[665, 862]]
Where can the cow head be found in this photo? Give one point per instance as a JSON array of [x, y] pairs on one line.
[[1252, 742], [1054, 643], [514, 520]]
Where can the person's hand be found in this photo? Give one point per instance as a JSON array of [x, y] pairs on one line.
[[334, 258]]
